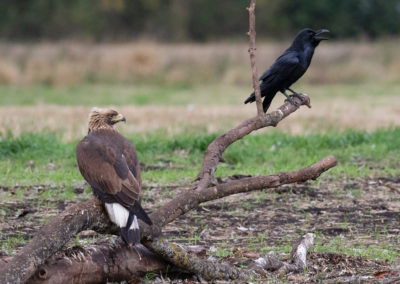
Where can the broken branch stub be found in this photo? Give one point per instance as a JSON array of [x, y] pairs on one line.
[[298, 257]]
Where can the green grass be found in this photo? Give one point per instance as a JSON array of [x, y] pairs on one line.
[[11, 243], [86, 94], [106, 95], [382, 250], [217, 94], [45, 159]]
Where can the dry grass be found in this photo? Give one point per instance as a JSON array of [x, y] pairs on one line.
[[71, 63], [327, 114]]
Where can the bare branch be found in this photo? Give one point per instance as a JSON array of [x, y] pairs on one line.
[[192, 198], [213, 154], [252, 52]]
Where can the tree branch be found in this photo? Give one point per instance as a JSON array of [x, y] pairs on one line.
[[252, 52], [207, 270], [192, 198], [213, 154]]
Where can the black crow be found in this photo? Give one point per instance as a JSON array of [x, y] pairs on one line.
[[289, 67]]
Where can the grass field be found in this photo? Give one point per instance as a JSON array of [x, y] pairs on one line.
[[46, 159], [354, 208]]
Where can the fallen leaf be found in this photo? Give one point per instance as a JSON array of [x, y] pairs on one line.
[[380, 274]]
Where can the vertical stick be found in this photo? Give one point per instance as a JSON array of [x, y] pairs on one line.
[[252, 49]]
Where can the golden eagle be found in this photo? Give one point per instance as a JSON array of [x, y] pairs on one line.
[[109, 163]]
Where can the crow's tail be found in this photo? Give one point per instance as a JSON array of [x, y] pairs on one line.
[[250, 99], [131, 233], [267, 102]]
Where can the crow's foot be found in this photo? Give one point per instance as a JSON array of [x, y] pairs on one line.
[[295, 94], [290, 99]]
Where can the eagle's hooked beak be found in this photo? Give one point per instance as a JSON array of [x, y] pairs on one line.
[[320, 32], [119, 117]]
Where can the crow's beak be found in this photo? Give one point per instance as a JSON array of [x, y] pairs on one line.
[[320, 32]]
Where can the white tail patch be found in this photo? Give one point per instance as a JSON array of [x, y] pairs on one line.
[[135, 224], [118, 214]]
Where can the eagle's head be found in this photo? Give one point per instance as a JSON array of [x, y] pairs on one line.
[[100, 118]]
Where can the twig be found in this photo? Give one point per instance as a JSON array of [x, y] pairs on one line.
[[252, 51]]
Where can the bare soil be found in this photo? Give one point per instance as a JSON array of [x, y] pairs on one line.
[[352, 220]]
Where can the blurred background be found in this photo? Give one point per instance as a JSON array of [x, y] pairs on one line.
[[174, 61]]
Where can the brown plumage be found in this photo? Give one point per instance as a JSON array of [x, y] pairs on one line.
[[109, 163]]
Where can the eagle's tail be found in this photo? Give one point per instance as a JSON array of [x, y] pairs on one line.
[[131, 232], [127, 220]]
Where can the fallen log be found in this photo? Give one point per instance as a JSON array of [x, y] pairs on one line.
[[110, 261]]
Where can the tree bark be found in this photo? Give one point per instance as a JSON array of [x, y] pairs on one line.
[[100, 263]]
